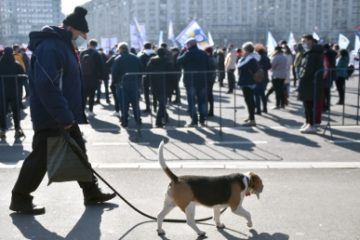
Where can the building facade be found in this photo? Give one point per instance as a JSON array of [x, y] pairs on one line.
[[18, 18]]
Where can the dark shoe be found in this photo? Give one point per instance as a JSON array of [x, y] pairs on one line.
[[97, 102], [229, 92], [148, 110], [97, 197], [265, 110], [192, 124], [108, 101], [25, 207], [258, 113], [210, 114], [159, 125], [202, 123], [2, 134]]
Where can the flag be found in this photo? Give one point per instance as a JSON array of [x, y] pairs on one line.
[[211, 40], [315, 36], [193, 30], [161, 38], [292, 42], [357, 43], [343, 41], [137, 34], [271, 43], [171, 35]]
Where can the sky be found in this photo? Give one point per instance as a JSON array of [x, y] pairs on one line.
[[67, 6]]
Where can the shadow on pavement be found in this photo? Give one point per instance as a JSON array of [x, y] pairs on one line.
[[88, 226], [103, 126], [340, 136], [12, 154]]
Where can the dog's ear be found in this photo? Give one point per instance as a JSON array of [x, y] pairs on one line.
[[256, 182]]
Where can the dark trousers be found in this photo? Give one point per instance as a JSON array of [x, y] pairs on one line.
[[127, 96], [146, 85], [260, 97], [327, 98], [34, 167], [278, 84], [340, 86], [15, 108], [199, 95], [91, 96], [115, 96], [231, 79], [210, 96], [250, 102], [98, 92], [161, 111], [221, 76], [309, 112]]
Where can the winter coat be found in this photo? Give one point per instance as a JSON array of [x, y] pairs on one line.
[[265, 64], [279, 66], [8, 86], [342, 64], [127, 63], [194, 60], [310, 71], [92, 78], [247, 66], [56, 98], [161, 84], [329, 67]]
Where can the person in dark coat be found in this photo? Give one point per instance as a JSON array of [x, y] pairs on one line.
[[56, 104], [109, 63], [247, 66], [310, 85], [92, 69], [105, 77], [160, 83], [329, 74], [127, 85], [10, 92], [176, 88], [211, 80], [260, 88], [144, 57], [221, 65], [195, 60]]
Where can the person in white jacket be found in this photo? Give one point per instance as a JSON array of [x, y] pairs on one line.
[[230, 66]]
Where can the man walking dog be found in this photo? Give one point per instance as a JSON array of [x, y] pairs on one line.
[[56, 104]]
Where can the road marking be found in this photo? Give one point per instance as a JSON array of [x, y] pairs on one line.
[[216, 165], [344, 141]]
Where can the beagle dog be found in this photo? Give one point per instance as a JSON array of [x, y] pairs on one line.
[[215, 192]]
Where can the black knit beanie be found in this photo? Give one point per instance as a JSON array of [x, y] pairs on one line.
[[77, 20]]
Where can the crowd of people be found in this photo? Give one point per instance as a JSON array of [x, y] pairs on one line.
[[154, 74]]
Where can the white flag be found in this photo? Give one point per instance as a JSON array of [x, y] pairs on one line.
[[171, 35], [211, 41], [161, 38], [315, 36], [357, 43], [292, 42], [193, 30], [137, 34], [343, 41], [271, 43]]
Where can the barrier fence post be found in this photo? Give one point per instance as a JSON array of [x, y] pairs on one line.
[[358, 100]]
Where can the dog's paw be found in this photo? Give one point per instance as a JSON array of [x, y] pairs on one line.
[[250, 224], [220, 226], [160, 232]]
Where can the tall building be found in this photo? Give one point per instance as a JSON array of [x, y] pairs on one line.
[[229, 21], [19, 17]]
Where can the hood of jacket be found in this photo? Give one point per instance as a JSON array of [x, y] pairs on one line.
[[48, 32]]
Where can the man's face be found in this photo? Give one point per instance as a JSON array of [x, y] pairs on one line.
[[76, 33]]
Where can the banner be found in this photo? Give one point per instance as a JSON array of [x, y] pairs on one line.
[[161, 38], [271, 43], [171, 35], [211, 41], [315, 36], [292, 42], [343, 41], [193, 30], [357, 43], [137, 34]]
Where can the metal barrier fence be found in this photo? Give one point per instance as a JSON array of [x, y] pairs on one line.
[[349, 113], [163, 85], [11, 91]]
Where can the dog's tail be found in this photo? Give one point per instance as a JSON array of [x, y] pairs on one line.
[[163, 165]]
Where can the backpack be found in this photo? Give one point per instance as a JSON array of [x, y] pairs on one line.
[[87, 63]]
